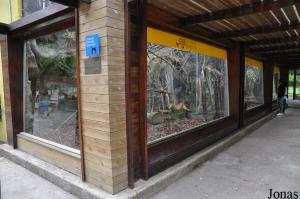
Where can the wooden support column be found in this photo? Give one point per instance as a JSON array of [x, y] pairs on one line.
[[14, 71], [295, 84], [268, 84], [103, 96], [236, 73]]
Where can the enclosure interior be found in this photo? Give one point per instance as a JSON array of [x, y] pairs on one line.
[[50, 89]]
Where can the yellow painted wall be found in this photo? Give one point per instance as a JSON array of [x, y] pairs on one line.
[[10, 10]]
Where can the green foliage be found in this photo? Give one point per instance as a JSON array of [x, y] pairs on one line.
[[62, 65]]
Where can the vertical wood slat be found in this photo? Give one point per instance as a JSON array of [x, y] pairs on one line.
[[130, 153], [79, 95]]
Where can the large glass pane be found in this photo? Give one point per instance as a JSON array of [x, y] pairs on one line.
[[184, 90], [276, 77], [254, 86], [31, 6], [50, 93]]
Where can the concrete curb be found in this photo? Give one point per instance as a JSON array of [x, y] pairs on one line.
[[143, 189], [63, 179]]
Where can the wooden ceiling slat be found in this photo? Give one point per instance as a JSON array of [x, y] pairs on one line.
[[282, 47], [239, 11], [272, 40], [259, 30]]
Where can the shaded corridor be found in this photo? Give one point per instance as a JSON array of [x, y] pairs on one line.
[[269, 158]]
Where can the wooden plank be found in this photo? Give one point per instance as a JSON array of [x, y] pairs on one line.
[[258, 30], [239, 11], [79, 100], [39, 16], [272, 40], [161, 19], [281, 51], [274, 48]]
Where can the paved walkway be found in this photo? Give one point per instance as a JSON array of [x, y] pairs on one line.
[[269, 158], [19, 183]]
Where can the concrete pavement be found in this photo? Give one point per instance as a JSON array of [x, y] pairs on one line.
[[269, 158], [19, 183]]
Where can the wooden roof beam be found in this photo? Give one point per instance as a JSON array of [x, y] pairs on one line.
[[283, 56], [239, 11], [281, 47], [272, 41], [258, 30], [282, 52]]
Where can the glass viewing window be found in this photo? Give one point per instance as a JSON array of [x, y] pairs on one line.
[[185, 87], [50, 89], [254, 84]]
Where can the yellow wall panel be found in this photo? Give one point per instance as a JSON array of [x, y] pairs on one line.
[[276, 69], [253, 62], [163, 38], [10, 10]]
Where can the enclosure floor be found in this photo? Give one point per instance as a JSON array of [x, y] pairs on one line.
[[60, 127], [269, 158], [19, 183]]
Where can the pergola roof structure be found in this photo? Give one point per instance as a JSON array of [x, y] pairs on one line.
[[268, 28]]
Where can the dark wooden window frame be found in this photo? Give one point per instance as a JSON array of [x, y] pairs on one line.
[[49, 20]]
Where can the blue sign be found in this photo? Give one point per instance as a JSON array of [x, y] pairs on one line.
[[92, 45]]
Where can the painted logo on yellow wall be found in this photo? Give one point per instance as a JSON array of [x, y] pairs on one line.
[[163, 38]]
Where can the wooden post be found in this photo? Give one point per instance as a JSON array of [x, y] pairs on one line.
[[268, 84], [295, 84], [236, 76]]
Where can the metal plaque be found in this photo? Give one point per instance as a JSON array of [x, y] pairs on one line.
[[92, 66]]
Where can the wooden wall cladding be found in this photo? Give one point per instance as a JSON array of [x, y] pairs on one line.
[[166, 154], [255, 114]]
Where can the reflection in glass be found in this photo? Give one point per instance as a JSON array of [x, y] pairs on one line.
[[31, 6], [184, 90], [254, 86], [50, 94], [275, 85]]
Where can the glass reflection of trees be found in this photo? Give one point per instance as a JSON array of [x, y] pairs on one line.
[[254, 86], [184, 90]]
